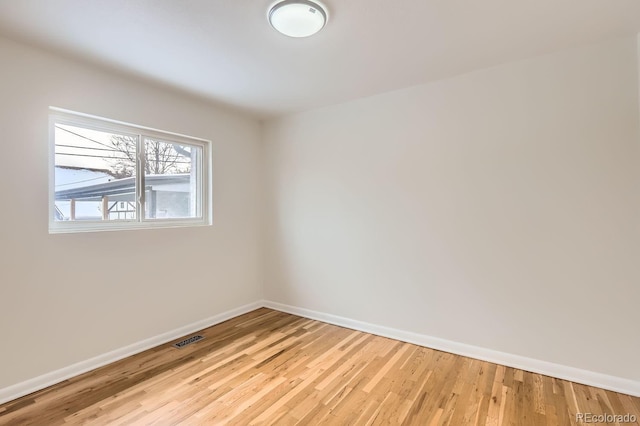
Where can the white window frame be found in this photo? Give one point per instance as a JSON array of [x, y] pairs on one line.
[[63, 116]]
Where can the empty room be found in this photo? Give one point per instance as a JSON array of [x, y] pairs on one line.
[[305, 212]]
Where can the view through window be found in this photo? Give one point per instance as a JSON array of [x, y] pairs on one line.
[[108, 173]]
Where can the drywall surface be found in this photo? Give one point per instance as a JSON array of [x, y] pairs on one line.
[[69, 297], [499, 209]]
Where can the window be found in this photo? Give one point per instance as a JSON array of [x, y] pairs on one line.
[[107, 175]]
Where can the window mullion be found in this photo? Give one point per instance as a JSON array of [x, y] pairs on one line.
[[140, 181]]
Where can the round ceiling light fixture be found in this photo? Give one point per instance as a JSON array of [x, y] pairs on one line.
[[298, 18]]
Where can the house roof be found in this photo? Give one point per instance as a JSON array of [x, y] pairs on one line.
[[95, 192]]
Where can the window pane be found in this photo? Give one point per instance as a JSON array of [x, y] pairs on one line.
[[94, 174], [172, 182]]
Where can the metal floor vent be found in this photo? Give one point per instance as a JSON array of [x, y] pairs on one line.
[[187, 341]]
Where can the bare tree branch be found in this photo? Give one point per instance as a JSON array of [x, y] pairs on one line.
[[160, 157]]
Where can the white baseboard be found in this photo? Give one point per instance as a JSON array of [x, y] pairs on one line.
[[577, 375], [586, 377], [37, 383]]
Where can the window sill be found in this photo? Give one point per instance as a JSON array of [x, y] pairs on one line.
[[91, 226]]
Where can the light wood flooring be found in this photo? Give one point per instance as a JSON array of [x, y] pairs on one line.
[[268, 367]]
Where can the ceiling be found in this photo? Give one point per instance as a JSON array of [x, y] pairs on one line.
[[226, 51]]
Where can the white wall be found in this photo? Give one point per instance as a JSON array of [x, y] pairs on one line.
[[499, 209], [67, 298]]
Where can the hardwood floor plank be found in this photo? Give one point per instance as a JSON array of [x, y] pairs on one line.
[[267, 367]]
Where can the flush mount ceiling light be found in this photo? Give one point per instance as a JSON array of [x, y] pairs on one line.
[[298, 18]]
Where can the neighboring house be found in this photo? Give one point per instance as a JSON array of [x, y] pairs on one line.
[[90, 194]]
